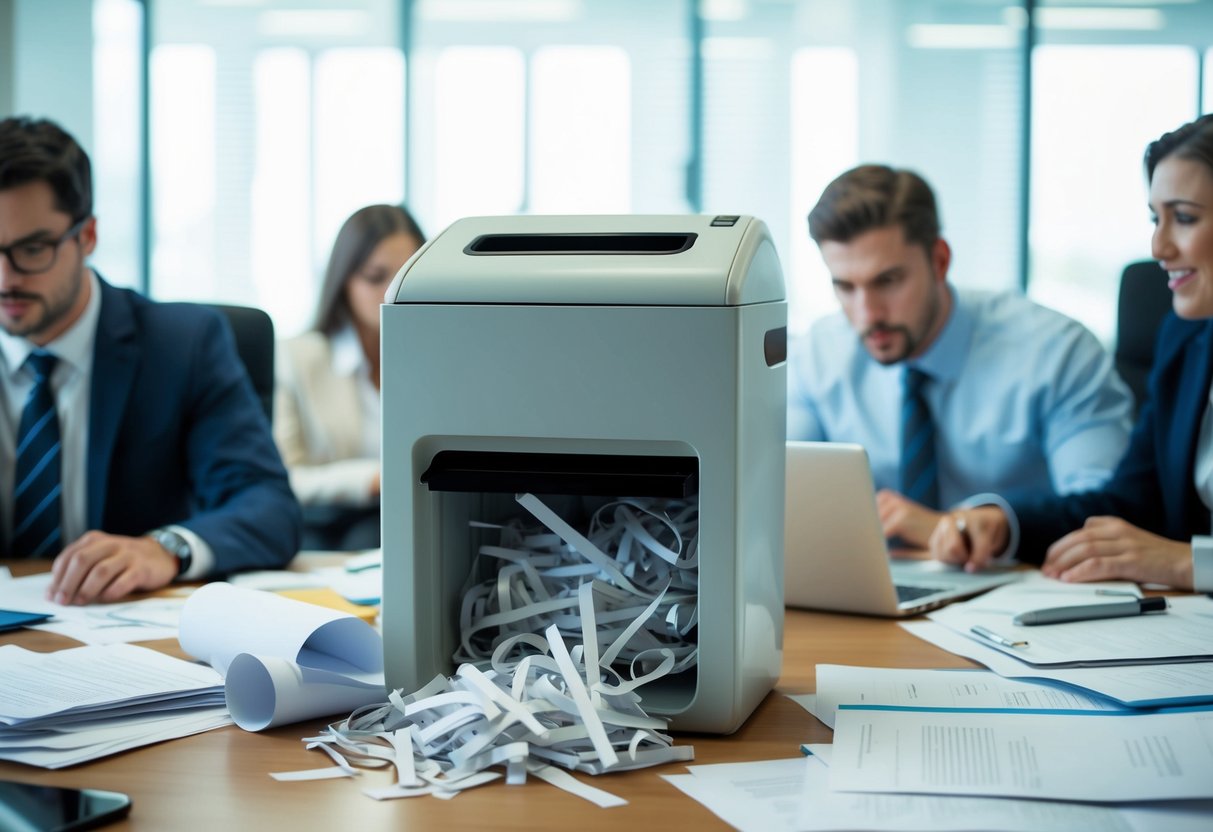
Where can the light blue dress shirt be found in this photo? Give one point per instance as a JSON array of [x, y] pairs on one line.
[[1022, 397]]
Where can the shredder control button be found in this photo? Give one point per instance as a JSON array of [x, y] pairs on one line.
[[725, 220]]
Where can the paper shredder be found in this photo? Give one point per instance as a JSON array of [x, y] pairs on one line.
[[642, 353]]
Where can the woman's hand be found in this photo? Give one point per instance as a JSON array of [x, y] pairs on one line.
[[1109, 548]]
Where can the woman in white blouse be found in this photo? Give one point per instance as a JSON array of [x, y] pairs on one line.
[[326, 407]]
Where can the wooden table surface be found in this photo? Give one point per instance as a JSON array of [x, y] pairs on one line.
[[220, 780]]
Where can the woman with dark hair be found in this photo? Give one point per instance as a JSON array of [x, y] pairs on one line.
[[1151, 522], [326, 409]]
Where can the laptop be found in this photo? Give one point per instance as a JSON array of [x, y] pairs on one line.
[[835, 554]]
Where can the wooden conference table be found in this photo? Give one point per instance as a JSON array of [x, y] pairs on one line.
[[220, 780]]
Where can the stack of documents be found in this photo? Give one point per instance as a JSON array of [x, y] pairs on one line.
[[68, 707], [1088, 724]]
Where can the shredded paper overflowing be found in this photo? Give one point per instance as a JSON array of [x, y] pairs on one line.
[[624, 594]]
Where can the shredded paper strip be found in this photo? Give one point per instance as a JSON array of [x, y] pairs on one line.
[[624, 593]]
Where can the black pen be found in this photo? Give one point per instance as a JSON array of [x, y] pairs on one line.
[[1087, 612]]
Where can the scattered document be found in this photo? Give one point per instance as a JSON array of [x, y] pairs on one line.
[[1100, 757], [774, 795], [144, 620], [955, 690], [821, 809], [762, 796], [67, 707], [1184, 633], [1135, 686], [283, 660]]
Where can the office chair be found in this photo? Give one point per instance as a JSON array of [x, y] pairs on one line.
[[254, 331], [1144, 302]]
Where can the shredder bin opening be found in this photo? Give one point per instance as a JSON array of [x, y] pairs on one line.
[[589, 244], [589, 475], [499, 522]]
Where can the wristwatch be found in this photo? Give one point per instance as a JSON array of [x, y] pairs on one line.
[[175, 545]]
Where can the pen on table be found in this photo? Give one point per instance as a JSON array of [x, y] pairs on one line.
[[1088, 612], [990, 635]]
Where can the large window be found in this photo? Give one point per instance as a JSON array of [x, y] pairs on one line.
[[796, 93], [565, 106], [117, 147], [271, 121], [1089, 216]]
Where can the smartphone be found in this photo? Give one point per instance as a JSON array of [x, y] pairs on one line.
[[28, 806]]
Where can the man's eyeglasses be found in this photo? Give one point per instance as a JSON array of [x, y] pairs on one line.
[[37, 256]]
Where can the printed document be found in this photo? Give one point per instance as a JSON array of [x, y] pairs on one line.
[[1183, 633], [71, 706], [125, 621], [1135, 686], [81, 679], [968, 690], [794, 795], [1100, 757]]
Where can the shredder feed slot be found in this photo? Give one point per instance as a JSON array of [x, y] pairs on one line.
[[587, 244], [583, 475]]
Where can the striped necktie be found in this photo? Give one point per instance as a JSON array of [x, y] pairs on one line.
[[36, 484], [919, 476]]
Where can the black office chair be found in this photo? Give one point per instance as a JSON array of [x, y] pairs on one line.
[[254, 331], [1144, 302]]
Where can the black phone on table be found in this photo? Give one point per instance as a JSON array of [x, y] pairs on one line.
[[37, 808]]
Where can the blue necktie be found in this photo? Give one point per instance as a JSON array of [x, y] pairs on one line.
[[919, 478], [36, 484]]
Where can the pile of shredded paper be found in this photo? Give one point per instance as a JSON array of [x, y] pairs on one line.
[[624, 593]]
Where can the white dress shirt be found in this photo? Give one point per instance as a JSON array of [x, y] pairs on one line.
[[1202, 545], [71, 382]]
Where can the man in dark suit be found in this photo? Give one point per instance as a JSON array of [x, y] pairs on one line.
[[133, 449]]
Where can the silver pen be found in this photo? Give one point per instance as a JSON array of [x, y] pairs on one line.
[[990, 635], [1088, 612]]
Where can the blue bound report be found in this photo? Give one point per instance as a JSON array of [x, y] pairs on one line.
[[14, 619]]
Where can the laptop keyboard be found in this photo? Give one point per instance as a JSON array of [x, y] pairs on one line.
[[912, 593]]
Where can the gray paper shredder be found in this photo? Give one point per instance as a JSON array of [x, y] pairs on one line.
[[648, 346]]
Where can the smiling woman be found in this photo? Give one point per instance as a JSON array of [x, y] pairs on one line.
[[1181, 202], [1151, 522]]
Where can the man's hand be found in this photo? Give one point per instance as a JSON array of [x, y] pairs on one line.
[[108, 567], [905, 519], [970, 537], [1109, 548]]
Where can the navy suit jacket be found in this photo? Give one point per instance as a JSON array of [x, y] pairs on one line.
[[1153, 487], [177, 435]]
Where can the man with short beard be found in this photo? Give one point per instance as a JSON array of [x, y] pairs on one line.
[[133, 449], [1006, 394]]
